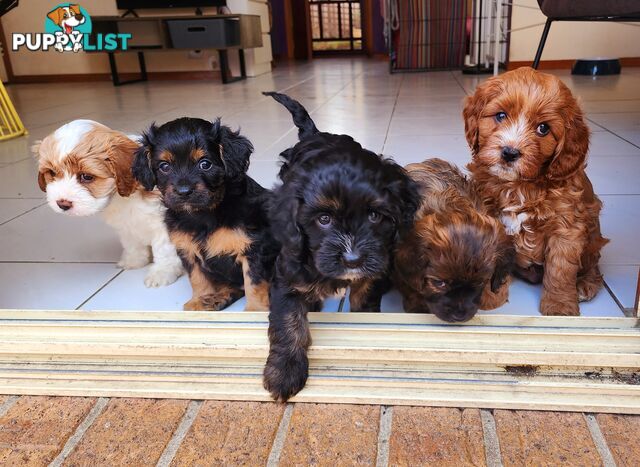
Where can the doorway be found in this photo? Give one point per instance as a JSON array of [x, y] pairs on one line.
[[336, 26]]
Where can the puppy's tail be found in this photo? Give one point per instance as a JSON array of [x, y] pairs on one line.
[[301, 117]]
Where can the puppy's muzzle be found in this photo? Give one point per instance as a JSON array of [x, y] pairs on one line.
[[184, 190], [352, 260], [510, 154], [64, 204]]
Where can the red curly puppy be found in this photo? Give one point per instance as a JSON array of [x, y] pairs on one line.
[[529, 142]]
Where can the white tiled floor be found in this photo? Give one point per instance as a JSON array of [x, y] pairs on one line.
[[51, 261]]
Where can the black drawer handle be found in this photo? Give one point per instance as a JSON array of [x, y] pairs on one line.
[[196, 29]]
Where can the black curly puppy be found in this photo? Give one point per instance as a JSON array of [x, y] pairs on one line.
[[338, 215], [217, 216]]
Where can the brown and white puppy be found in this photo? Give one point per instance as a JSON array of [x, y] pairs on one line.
[[457, 258], [85, 168], [529, 142]]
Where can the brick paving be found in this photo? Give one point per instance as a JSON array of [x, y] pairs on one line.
[[140, 432]]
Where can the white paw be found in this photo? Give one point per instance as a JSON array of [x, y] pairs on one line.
[[59, 47], [133, 262], [77, 47], [160, 275]]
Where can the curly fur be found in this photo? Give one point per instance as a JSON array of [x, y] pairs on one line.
[[216, 214], [543, 194], [368, 202], [456, 258]]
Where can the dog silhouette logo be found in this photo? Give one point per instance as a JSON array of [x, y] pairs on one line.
[[68, 19]]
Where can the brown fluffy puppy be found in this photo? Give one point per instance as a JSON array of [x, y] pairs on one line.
[[457, 258], [529, 142]]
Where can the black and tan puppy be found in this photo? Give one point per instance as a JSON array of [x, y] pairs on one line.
[[337, 214], [457, 257], [216, 214]]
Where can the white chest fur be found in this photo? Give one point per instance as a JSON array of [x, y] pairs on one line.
[[513, 223]]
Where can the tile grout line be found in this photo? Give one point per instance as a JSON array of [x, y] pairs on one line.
[[22, 214], [491, 440], [6, 405], [72, 442], [615, 299], [384, 434], [612, 132], [599, 440], [99, 289], [393, 111], [174, 443], [281, 436]]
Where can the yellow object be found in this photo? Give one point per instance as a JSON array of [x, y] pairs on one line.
[[10, 124]]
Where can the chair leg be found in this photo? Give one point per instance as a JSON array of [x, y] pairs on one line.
[[543, 40]]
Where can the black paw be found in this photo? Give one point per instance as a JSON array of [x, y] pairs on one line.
[[285, 376]]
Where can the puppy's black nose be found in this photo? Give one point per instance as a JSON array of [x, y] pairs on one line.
[[64, 204], [79, 16], [351, 260], [184, 190], [510, 154]]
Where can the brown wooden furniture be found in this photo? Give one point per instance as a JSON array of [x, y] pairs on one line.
[[219, 32]]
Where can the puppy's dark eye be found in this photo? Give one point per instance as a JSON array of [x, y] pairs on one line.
[[204, 164], [374, 217], [543, 129], [52, 173], [86, 178], [164, 167], [438, 283], [500, 116], [324, 220]]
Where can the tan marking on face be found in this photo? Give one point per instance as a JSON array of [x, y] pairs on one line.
[[225, 241], [166, 156], [197, 154], [327, 204]]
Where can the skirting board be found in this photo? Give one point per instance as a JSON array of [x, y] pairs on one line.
[[540, 363]]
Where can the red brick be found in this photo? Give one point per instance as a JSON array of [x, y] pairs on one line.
[[545, 438], [436, 436], [621, 434], [332, 435], [35, 429], [230, 433], [129, 432]]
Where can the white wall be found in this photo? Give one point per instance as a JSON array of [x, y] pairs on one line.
[[30, 14], [570, 40]]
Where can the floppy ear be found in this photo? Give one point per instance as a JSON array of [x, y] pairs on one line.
[[56, 15], [474, 107], [405, 197], [120, 159], [572, 148], [42, 183], [235, 150], [141, 168], [75, 9], [409, 263], [504, 262], [284, 220]]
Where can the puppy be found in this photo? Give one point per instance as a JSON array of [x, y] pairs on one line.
[[529, 142], [338, 215], [68, 18], [216, 215], [456, 258], [85, 168]]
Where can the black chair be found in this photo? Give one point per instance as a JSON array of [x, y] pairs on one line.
[[584, 10]]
